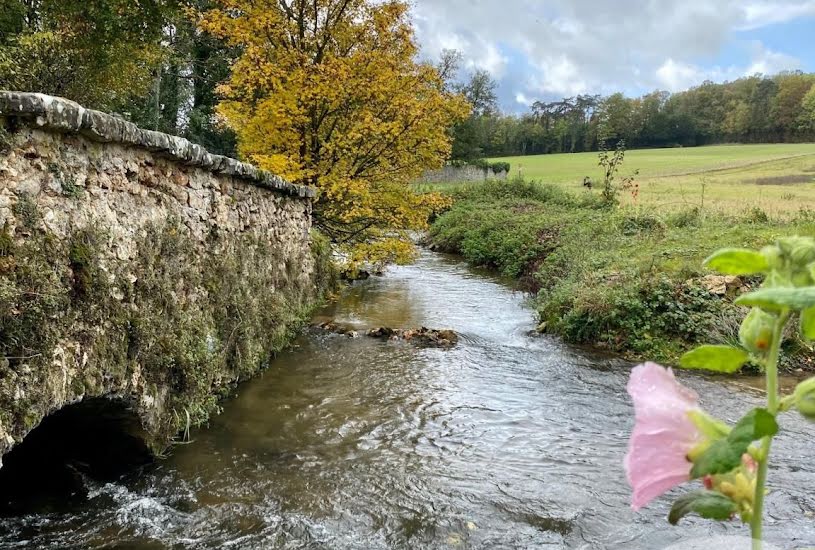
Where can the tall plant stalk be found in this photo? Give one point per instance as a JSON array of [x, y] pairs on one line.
[[771, 369]]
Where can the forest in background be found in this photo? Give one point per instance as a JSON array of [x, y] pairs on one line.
[[754, 109]]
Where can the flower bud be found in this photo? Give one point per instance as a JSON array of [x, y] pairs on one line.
[[756, 331], [776, 279], [800, 250], [773, 256], [805, 398]]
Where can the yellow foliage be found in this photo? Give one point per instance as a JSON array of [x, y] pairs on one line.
[[329, 93]]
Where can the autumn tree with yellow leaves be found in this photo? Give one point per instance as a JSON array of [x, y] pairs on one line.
[[330, 93]]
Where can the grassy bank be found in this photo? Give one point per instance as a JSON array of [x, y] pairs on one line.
[[779, 178], [629, 280]]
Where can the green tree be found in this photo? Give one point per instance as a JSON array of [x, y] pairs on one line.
[[761, 102], [806, 118], [616, 117], [471, 137], [97, 52], [786, 105]]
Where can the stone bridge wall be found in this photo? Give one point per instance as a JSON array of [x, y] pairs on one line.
[[138, 266], [461, 174]]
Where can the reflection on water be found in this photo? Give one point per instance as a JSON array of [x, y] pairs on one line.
[[506, 441]]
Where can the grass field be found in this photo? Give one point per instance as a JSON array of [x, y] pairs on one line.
[[778, 178]]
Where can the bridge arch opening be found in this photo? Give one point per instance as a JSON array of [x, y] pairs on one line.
[[96, 440]]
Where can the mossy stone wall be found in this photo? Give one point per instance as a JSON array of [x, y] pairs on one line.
[[129, 273]]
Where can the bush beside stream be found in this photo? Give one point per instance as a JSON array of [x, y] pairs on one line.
[[629, 280]]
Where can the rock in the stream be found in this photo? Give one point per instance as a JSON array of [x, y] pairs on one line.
[[423, 336], [382, 332], [444, 338]]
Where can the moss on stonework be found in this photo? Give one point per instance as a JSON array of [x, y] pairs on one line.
[[326, 274], [25, 209], [6, 140], [6, 242], [83, 259], [189, 321]]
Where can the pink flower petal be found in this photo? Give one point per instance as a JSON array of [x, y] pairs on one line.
[[663, 433]]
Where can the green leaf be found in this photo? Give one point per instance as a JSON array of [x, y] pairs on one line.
[[725, 454], [777, 299], [808, 323], [737, 261], [708, 504], [716, 358]]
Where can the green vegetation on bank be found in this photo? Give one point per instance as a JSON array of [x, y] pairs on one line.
[[626, 279]]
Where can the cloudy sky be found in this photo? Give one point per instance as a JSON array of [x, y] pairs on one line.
[[543, 49]]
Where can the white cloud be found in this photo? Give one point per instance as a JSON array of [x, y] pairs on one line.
[[761, 14], [558, 76], [540, 49], [490, 59], [768, 62], [521, 99], [675, 76]]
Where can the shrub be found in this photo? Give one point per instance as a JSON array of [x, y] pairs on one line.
[[757, 215], [483, 164], [689, 217], [499, 167]]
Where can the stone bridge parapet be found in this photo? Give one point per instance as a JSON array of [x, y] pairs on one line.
[[139, 267]]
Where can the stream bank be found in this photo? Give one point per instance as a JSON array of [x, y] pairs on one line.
[[626, 280]]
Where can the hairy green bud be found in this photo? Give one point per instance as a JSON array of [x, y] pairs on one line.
[[756, 331], [775, 279], [800, 250], [801, 278], [805, 398]]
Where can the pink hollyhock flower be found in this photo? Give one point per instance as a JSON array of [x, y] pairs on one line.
[[663, 433]]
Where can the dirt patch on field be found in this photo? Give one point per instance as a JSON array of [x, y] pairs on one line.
[[784, 180]]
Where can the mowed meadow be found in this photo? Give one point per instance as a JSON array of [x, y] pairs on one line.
[[777, 178]]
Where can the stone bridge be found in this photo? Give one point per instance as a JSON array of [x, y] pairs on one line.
[[141, 277]]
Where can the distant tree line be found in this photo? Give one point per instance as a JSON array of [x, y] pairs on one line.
[[755, 109]]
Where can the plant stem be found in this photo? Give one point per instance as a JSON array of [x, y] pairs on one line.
[[771, 369]]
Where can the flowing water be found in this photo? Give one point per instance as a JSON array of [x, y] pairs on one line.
[[506, 441]]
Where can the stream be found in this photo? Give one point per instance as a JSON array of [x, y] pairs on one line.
[[508, 440]]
